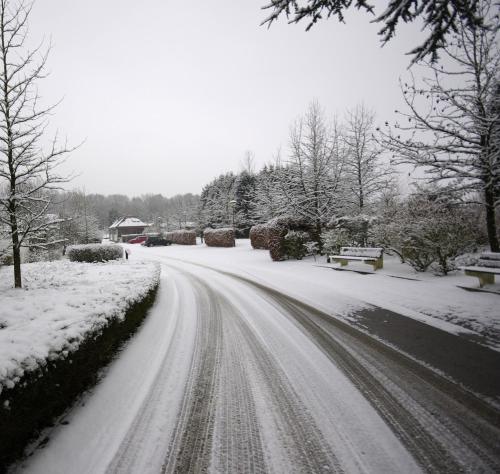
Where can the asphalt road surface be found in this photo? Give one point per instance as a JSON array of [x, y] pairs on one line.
[[227, 375]]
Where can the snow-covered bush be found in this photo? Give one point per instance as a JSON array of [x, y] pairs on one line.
[[219, 237], [94, 253], [353, 230], [294, 244], [312, 248], [334, 239], [431, 230], [467, 260], [278, 228], [182, 237], [6, 259], [259, 236], [419, 255]]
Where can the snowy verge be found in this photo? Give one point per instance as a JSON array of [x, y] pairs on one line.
[[57, 332], [61, 303]]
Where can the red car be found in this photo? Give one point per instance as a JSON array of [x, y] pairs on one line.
[[138, 240]]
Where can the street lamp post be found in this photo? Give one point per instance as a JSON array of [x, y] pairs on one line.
[[232, 203]]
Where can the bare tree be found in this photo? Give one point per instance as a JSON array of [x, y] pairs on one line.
[[452, 122], [26, 167], [311, 181], [248, 162], [81, 225], [365, 175]]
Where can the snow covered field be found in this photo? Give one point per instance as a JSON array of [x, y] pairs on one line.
[[62, 301], [435, 300]]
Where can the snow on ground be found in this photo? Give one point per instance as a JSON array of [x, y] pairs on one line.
[[435, 300], [60, 302]]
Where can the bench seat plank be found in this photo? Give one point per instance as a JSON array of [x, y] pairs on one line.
[[476, 269], [373, 252], [490, 256], [352, 257]]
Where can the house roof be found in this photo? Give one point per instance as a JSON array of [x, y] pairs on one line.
[[127, 222]]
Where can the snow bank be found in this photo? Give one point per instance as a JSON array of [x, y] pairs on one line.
[[61, 303]]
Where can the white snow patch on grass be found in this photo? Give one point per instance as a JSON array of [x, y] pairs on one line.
[[60, 303]]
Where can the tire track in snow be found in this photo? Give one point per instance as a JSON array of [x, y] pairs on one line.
[[239, 445], [146, 426], [230, 413], [428, 449], [190, 450], [423, 410]]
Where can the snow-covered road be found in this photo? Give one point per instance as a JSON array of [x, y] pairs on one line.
[[227, 376]]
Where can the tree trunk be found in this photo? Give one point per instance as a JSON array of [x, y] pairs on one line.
[[318, 237], [489, 201], [16, 252]]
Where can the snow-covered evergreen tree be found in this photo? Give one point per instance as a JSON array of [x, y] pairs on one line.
[[244, 195], [269, 201], [439, 17], [216, 198]]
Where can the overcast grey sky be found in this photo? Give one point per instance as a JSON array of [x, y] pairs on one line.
[[170, 94]]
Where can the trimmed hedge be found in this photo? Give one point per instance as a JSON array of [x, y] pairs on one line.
[[95, 253], [43, 395], [259, 236], [295, 244], [219, 237], [278, 228], [182, 237]]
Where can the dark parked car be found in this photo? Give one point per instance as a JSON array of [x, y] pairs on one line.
[[153, 241]]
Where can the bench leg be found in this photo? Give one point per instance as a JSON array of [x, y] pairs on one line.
[[377, 264], [486, 279]]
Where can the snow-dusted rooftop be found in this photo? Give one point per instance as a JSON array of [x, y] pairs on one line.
[[127, 222]]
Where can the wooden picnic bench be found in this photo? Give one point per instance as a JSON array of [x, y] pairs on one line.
[[371, 255], [486, 268]]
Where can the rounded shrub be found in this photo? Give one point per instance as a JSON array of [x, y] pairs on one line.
[[277, 229], [259, 236], [219, 237], [182, 237], [294, 244], [94, 253]]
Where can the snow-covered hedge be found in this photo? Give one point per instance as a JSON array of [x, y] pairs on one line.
[[278, 228], [66, 323], [219, 237], [294, 244], [259, 236], [182, 237], [94, 253]]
